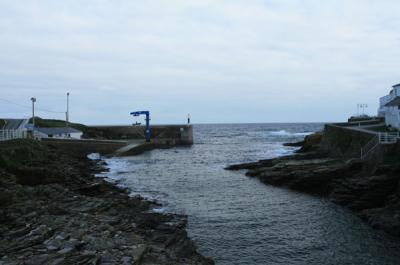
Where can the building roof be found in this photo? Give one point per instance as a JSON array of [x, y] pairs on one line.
[[396, 85], [57, 130], [14, 124], [393, 102]]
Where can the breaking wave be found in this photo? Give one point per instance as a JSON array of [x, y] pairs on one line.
[[286, 133]]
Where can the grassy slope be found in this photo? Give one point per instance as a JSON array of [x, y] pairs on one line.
[[383, 129], [45, 123], [19, 152]]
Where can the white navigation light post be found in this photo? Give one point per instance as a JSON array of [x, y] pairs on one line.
[[33, 110]]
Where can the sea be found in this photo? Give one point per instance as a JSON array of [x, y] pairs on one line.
[[237, 219]]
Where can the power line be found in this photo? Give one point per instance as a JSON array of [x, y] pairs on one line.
[[28, 107]]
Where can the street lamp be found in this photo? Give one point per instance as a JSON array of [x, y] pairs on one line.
[[33, 110]]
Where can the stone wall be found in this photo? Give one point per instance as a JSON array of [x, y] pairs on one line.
[[169, 134], [343, 142], [86, 147], [346, 143]]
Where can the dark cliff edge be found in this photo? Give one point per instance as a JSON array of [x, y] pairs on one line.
[[53, 210], [327, 165]]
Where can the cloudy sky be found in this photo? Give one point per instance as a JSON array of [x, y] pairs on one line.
[[221, 61]]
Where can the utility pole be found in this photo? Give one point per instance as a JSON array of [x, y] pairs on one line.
[[188, 118], [33, 111], [67, 114]]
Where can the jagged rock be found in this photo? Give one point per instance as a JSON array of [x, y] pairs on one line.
[[54, 211], [296, 144], [371, 190], [126, 260]]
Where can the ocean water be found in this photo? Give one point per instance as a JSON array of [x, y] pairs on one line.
[[236, 219]]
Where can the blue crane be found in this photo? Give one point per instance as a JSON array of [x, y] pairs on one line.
[[147, 113]]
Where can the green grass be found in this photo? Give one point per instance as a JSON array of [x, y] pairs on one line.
[[46, 123], [382, 129], [20, 152]]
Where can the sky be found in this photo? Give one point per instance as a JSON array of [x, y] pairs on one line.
[[230, 61]]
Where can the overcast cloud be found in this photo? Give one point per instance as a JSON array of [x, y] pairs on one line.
[[221, 61]]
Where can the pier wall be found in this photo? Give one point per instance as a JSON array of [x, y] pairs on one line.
[[344, 142], [106, 140], [85, 147], [160, 134]]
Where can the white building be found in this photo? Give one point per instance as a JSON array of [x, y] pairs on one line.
[[389, 107], [59, 132], [14, 124]]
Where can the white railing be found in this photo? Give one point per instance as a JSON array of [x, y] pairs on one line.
[[369, 147], [388, 137], [380, 138], [12, 134]]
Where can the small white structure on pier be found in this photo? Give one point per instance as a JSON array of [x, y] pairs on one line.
[[389, 107], [59, 132]]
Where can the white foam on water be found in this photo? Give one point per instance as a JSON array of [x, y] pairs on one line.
[[114, 167], [286, 133], [158, 210], [303, 133], [94, 156]]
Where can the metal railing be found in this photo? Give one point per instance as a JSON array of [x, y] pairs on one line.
[[381, 138], [369, 147], [12, 134], [388, 137]]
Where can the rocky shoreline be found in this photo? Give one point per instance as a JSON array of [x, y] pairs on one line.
[[53, 210], [369, 188]]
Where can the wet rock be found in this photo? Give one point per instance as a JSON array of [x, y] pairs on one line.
[[126, 260], [37, 176], [65, 250], [37, 260], [371, 190], [57, 261], [57, 212], [296, 144], [6, 198]]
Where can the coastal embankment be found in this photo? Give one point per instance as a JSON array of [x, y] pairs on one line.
[[53, 210], [110, 140], [328, 164]]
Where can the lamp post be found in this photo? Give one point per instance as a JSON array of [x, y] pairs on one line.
[[365, 106], [33, 110]]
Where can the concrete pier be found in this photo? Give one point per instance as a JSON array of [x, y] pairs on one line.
[[160, 134], [126, 140], [104, 147]]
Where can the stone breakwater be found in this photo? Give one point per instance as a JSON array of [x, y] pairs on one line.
[[371, 189], [54, 211]]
